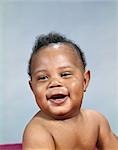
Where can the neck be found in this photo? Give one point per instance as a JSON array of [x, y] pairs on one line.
[[66, 117]]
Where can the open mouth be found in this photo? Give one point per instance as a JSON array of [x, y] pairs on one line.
[[58, 98]]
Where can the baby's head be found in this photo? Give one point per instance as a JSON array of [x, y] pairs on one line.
[[55, 38], [58, 76]]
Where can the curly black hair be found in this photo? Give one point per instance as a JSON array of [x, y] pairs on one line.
[[45, 40]]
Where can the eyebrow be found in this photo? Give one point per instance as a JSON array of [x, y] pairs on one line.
[[65, 67], [38, 71]]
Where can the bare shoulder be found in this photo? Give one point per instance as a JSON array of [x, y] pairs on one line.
[[107, 140], [36, 136], [94, 116]]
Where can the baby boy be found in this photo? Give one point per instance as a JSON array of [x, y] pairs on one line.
[[58, 80]]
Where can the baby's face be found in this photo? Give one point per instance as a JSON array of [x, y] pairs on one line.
[[58, 81]]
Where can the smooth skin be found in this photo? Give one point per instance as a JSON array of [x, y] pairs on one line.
[[58, 82]]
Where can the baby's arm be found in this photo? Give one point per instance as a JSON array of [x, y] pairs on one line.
[[36, 137], [107, 140]]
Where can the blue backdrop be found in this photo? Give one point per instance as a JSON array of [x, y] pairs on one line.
[[92, 24]]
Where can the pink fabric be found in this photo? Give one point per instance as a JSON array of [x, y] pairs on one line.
[[11, 146]]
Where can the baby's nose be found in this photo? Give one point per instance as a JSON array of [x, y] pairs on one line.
[[55, 83]]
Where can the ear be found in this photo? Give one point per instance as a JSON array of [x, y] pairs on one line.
[[86, 79]]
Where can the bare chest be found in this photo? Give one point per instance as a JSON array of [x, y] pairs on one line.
[[72, 137]]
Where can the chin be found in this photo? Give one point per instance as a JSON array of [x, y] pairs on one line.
[[62, 114]]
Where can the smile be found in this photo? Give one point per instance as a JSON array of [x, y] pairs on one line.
[[58, 98]]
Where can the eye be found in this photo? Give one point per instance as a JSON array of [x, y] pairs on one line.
[[66, 74], [42, 78]]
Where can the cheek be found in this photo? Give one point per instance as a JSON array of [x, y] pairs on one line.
[[39, 94], [76, 83], [76, 87], [40, 99]]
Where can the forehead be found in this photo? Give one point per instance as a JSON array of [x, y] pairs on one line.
[[56, 54], [58, 49]]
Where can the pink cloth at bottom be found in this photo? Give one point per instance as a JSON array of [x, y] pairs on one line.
[[11, 146], [14, 147]]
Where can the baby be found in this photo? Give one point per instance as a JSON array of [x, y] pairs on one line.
[[58, 80]]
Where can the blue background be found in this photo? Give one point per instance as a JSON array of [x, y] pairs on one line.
[[91, 24]]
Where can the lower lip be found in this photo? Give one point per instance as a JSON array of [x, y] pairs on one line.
[[58, 101]]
